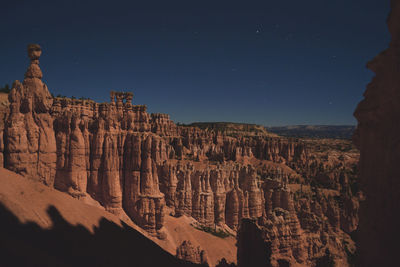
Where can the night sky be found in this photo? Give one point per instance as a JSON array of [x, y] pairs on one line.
[[267, 62]]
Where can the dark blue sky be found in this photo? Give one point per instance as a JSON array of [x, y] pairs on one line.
[[267, 62]]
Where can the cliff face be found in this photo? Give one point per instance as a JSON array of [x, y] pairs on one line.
[[4, 110], [134, 164], [30, 146], [107, 152], [377, 138]]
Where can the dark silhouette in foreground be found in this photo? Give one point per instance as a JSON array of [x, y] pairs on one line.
[[377, 138], [252, 249], [68, 245]]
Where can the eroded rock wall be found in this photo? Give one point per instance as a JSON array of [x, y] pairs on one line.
[[134, 164]]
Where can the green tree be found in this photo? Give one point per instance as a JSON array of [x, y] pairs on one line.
[[5, 89]]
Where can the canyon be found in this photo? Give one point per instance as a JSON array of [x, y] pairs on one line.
[[298, 196]]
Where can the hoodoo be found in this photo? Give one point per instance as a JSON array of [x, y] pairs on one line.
[[146, 167], [29, 139]]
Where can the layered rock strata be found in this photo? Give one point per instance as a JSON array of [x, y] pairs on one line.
[[29, 140], [134, 163]]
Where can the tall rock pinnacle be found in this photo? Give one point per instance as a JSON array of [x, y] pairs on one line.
[[29, 135], [134, 164]]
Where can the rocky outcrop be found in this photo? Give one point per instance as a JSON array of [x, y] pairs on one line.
[[134, 164], [29, 141], [377, 138], [186, 251], [297, 231], [4, 110], [104, 152], [162, 125], [221, 147], [234, 204], [202, 198]]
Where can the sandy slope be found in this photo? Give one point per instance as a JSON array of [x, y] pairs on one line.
[[180, 229], [29, 202], [3, 97], [40, 226]]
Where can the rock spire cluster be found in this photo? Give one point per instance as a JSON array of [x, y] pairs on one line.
[[134, 164]]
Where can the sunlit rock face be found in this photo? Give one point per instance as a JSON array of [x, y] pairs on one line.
[[29, 140], [104, 152], [377, 137], [186, 251], [134, 164]]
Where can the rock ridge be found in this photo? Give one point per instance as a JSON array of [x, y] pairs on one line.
[[135, 164]]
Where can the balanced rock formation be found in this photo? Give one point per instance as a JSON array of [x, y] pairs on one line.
[[103, 152], [134, 164], [29, 140]]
